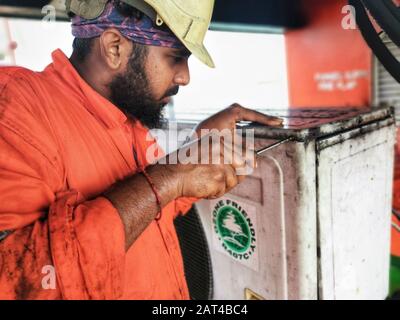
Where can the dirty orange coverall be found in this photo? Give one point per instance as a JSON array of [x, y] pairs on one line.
[[62, 145]]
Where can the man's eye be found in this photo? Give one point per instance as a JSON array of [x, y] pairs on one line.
[[178, 59]]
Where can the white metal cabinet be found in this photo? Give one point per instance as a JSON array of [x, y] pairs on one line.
[[313, 221], [353, 208]]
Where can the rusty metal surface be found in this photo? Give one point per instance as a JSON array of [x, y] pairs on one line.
[[310, 124]]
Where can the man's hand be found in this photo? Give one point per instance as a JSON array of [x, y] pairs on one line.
[[227, 119], [209, 167], [235, 160]]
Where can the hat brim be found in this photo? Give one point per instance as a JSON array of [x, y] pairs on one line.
[[200, 52]]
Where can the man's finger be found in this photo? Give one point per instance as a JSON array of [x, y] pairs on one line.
[[232, 155], [231, 178], [245, 114], [244, 160]]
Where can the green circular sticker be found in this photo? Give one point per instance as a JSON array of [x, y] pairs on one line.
[[234, 229]]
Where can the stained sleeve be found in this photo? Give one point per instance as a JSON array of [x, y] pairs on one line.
[[58, 246]]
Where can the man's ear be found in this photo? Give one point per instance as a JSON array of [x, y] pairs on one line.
[[115, 49]]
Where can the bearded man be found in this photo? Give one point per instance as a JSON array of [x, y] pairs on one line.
[[78, 199]]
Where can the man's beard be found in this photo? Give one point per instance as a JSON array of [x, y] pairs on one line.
[[131, 92]]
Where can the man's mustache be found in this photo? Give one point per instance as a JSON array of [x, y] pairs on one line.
[[171, 92]]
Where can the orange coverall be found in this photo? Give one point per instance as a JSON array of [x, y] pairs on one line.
[[61, 145]]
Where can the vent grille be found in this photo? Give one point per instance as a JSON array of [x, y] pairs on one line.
[[196, 255]]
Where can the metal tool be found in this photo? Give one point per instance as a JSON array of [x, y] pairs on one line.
[[274, 145]]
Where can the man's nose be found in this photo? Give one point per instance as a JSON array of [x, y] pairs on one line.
[[182, 77]]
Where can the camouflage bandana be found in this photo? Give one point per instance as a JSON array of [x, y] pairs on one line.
[[140, 31]]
